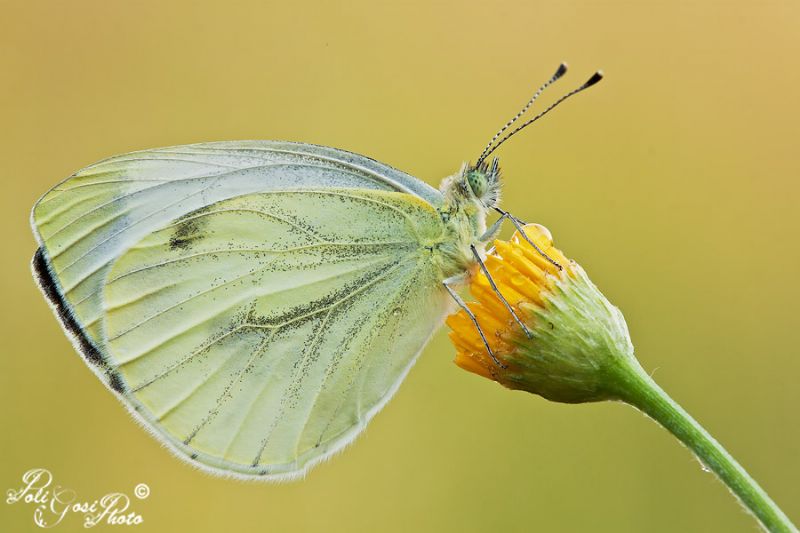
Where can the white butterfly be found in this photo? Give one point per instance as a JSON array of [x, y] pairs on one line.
[[256, 303]]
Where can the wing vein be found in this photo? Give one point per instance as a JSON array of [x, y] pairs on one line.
[[226, 283], [226, 392], [295, 375], [352, 383]]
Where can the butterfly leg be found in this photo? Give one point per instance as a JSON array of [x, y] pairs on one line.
[[518, 225], [498, 293], [494, 229], [471, 316]]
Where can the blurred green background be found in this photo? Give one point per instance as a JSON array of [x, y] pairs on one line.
[[674, 182]]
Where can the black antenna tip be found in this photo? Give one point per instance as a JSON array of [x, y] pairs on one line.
[[562, 69], [596, 77]]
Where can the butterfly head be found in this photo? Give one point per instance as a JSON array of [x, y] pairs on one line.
[[482, 182]]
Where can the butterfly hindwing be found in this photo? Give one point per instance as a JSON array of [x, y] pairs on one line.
[[260, 337]]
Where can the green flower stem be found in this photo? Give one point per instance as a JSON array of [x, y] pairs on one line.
[[635, 387]]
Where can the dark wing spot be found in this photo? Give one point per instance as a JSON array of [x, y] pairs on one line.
[[188, 230], [49, 287], [185, 233], [115, 382]]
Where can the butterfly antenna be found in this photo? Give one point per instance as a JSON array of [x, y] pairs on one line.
[[596, 77], [562, 69]]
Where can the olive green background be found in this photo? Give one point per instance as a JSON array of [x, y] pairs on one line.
[[674, 182]]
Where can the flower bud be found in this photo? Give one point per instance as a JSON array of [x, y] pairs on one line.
[[578, 339]]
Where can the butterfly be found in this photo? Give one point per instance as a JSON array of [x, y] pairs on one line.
[[254, 304]]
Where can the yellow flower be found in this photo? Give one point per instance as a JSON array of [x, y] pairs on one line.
[[577, 338]]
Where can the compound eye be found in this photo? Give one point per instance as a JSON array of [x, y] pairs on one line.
[[477, 182]]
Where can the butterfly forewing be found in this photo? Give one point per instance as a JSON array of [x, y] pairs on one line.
[[255, 317], [85, 222]]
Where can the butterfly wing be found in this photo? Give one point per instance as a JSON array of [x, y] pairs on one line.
[[255, 334], [87, 221]]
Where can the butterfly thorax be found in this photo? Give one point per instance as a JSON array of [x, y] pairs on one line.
[[468, 196]]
